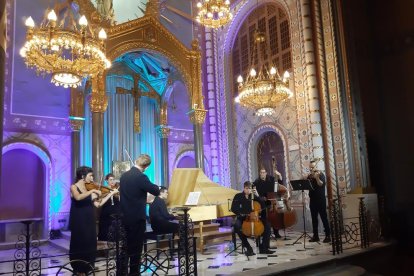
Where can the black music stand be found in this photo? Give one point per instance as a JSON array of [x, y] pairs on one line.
[[302, 185]]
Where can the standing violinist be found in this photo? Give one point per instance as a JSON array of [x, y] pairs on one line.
[[317, 202], [82, 220], [266, 184], [109, 209], [242, 207]]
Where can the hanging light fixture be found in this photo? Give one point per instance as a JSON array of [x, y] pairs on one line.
[[69, 53], [214, 13], [264, 89]]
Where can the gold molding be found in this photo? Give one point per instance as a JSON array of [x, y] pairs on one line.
[[197, 116], [163, 114], [137, 122]]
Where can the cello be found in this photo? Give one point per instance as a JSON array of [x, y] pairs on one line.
[[252, 226]]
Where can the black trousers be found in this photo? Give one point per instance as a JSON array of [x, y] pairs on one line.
[[164, 226], [135, 241], [265, 238], [318, 206]]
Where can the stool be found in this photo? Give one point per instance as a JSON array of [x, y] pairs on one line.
[[158, 237]]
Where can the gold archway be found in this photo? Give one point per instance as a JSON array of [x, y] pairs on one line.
[[147, 33]]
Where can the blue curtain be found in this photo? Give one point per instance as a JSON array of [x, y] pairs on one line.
[[119, 130], [150, 141]]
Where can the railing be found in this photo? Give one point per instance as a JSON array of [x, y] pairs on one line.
[[28, 257], [351, 231]]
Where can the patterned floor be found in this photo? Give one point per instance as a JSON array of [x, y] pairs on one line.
[[214, 260]]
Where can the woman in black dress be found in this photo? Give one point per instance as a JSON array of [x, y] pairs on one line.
[[82, 221], [109, 209]]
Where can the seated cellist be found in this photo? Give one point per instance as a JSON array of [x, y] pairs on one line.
[[242, 207]]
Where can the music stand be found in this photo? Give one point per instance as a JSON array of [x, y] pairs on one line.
[[302, 185]]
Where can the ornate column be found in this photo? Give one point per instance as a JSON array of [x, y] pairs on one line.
[[76, 119], [164, 131], [3, 44], [98, 104], [197, 114]]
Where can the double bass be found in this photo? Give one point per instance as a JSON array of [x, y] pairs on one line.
[[252, 226], [280, 214]]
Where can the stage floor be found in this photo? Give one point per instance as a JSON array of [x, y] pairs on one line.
[[287, 257]]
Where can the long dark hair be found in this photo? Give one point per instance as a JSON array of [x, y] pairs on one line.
[[81, 172]]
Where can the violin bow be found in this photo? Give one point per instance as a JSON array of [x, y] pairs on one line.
[[129, 157]]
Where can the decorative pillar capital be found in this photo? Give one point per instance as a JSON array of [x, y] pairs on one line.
[[98, 103], [163, 131], [76, 123], [197, 116]]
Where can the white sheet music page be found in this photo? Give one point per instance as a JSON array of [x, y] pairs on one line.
[[193, 198]]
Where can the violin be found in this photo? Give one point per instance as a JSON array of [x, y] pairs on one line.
[[104, 190], [252, 226]]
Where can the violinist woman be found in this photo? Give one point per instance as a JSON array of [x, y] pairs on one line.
[[82, 220], [242, 207], [109, 209]]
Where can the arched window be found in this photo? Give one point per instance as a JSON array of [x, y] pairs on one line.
[[273, 21]]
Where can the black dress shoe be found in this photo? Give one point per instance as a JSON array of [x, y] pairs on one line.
[[314, 239], [277, 235], [266, 251], [249, 253], [327, 240]]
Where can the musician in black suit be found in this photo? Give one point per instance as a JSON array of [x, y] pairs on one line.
[[161, 220], [266, 184], [134, 188], [317, 203], [242, 207]]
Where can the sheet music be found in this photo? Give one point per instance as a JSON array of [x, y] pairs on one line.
[[193, 198]]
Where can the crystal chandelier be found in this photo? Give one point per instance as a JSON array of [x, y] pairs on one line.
[[265, 89], [68, 53], [214, 13]]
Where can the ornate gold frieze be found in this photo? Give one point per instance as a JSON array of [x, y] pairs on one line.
[[163, 131], [197, 116]]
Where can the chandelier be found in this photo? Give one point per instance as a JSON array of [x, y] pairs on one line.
[[214, 13], [265, 89], [68, 53]]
